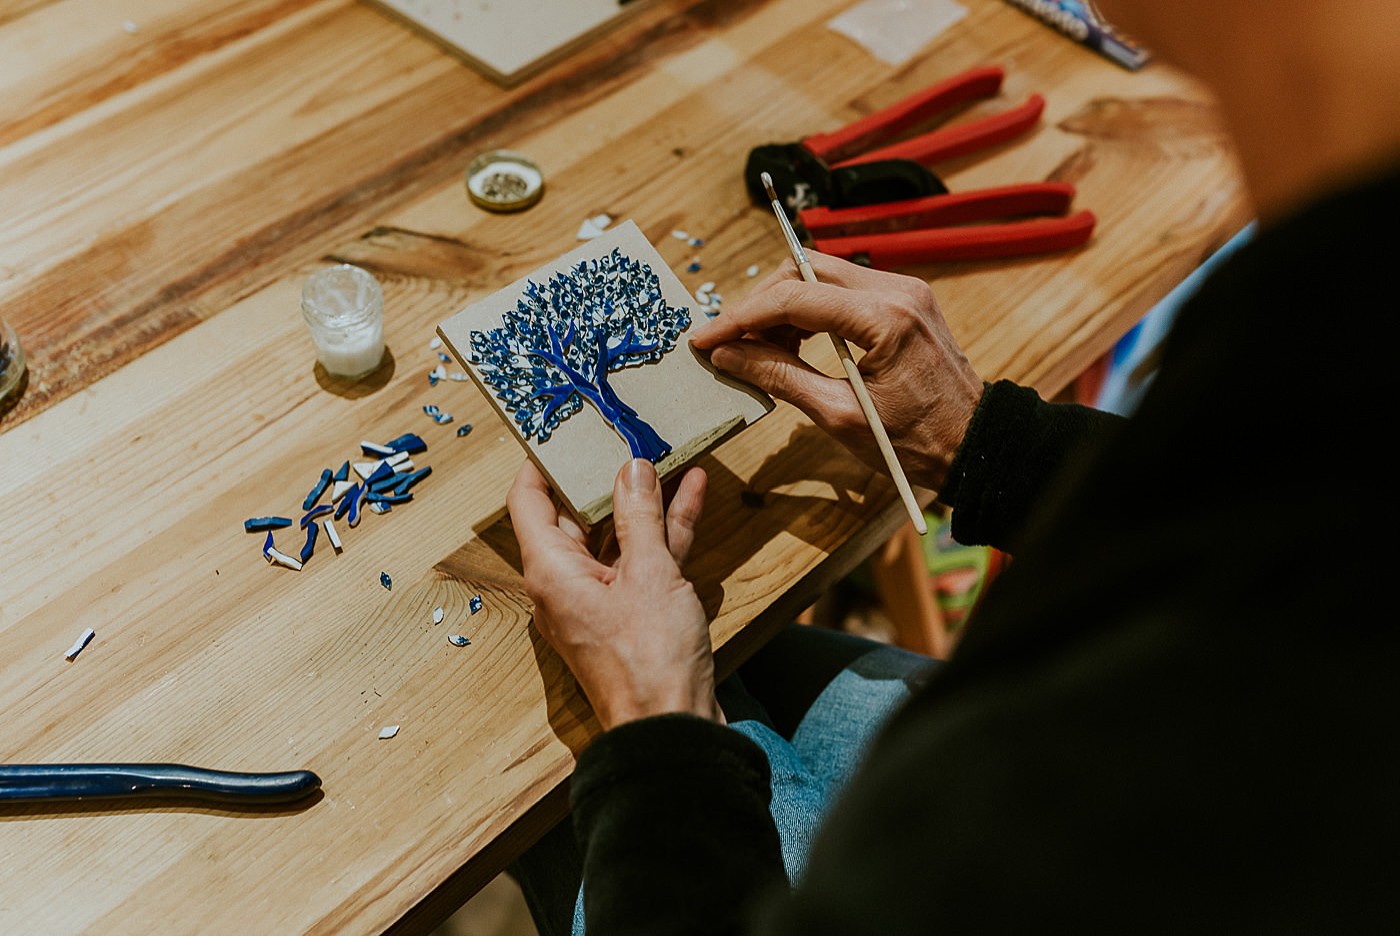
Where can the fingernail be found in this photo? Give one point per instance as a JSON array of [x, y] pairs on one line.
[[641, 475], [727, 357]]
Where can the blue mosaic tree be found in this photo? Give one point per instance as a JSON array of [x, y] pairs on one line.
[[557, 348]]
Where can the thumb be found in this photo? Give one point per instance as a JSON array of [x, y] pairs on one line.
[[638, 516]]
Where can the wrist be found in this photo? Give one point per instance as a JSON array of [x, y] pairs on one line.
[[614, 712]]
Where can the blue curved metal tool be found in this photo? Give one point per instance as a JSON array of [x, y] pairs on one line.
[[41, 782]]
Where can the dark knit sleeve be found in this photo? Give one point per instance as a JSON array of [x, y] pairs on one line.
[[1015, 448], [672, 819]]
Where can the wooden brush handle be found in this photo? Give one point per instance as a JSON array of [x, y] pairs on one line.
[[867, 406]]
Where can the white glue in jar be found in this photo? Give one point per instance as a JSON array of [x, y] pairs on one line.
[[344, 309]]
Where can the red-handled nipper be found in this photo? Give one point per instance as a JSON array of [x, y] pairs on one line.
[[973, 225], [862, 193], [850, 145]]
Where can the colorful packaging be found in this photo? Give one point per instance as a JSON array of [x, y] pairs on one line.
[[1082, 22]]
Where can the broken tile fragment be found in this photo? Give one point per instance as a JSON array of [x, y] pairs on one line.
[[280, 558], [310, 545], [410, 443], [332, 535], [437, 615], [474, 603], [387, 582], [457, 640], [594, 226], [348, 501], [387, 732], [83, 640], [313, 513], [437, 415], [320, 488], [258, 524]]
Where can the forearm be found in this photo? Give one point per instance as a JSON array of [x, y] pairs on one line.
[[671, 813], [1015, 447]]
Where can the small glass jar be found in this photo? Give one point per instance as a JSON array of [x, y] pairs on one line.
[[11, 364], [344, 309]]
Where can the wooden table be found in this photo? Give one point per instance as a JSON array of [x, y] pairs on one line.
[[167, 185]]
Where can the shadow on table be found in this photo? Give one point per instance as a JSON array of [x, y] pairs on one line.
[[359, 387]]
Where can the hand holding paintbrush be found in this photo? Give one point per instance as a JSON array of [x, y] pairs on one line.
[[926, 387]]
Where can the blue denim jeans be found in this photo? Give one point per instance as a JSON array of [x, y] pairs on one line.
[[812, 701]]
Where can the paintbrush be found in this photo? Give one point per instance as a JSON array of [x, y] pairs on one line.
[[843, 351]]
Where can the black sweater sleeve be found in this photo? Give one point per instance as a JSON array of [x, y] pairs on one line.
[[671, 815], [1015, 448]]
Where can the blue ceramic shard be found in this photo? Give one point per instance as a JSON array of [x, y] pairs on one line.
[[410, 443], [392, 480], [375, 449], [457, 640], [412, 478], [464, 429], [348, 501], [444, 357], [268, 545], [357, 500], [437, 415], [310, 545], [694, 267], [342, 473], [318, 490], [258, 524], [313, 513], [386, 581], [474, 603], [374, 498], [379, 474]]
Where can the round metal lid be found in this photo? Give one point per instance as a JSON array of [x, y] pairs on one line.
[[501, 180]]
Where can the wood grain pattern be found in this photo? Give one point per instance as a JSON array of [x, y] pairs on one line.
[[167, 191]]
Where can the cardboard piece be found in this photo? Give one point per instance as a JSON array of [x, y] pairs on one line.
[[680, 397], [509, 40]]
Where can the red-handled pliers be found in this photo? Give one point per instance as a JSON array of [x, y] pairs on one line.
[[839, 169], [949, 227], [841, 147]]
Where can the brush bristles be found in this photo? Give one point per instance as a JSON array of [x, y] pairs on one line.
[[768, 186]]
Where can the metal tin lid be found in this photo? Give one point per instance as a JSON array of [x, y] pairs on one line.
[[501, 180], [12, 367]]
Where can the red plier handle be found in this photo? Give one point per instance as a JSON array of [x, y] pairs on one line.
[[844, 147], [926, 230]]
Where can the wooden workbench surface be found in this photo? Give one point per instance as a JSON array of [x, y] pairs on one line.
[[168, 182]]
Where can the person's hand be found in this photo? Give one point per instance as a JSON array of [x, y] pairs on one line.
[[920, 381], [632, 631]]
